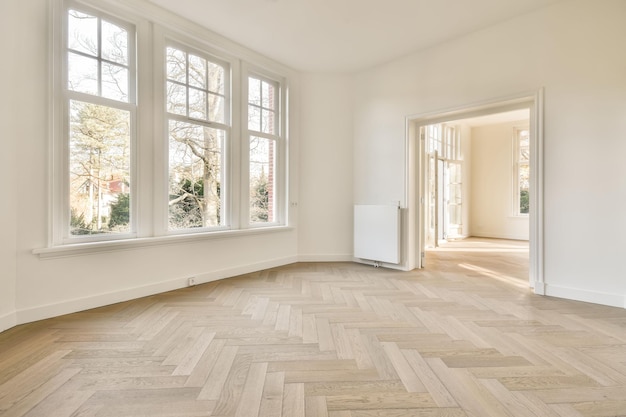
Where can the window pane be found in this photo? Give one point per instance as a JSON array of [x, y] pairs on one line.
[[197, 72], [197, 104], [176, 98], [524, 186], [216, 78], [268, 120], [524, 138], [195, 175], [99, 162], [82, 74], [216, 108], [176, 65], [262, 177], [114, 43], [267, 95], [524, 155], [254, 91], [82, 32], [114, 82], [254, 118]]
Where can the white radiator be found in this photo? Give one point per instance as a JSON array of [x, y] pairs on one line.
[[377, 233]]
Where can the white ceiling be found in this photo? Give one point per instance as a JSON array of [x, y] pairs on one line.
[[345, 35]]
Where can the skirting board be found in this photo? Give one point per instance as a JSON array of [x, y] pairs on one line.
[[612, 300], [325, 258], [7, 321], [86, 303]]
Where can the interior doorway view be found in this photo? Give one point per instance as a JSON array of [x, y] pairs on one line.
[[444, 178], [476, 182]]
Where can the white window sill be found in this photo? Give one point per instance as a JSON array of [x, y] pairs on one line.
[[87, 248]]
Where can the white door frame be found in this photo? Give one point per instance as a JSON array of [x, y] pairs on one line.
[[414, 190]]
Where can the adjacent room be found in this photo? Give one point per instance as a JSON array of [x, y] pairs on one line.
[[181, 184]]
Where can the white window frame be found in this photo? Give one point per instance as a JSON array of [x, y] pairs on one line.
[[153, 31], [165, 39], [280, 157], [60, 213]]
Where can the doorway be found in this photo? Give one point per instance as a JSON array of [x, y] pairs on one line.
[[436, 217]]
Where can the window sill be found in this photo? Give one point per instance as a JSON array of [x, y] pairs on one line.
[[76, 249]]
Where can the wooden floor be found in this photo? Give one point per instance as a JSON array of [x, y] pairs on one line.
[[463, 337]]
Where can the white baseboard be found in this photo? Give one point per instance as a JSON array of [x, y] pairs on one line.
[[86, 303], [325, 258], [7, 321], [613, 300], [500, 236]]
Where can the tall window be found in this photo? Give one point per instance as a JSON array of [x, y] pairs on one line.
[[134, 97], [197, 128], [522, 170], [264, 134], [100, 108]]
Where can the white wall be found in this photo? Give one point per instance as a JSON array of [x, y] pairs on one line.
[[325, 192], [48, 287], [575, 50], [8, 167], [492, 184]]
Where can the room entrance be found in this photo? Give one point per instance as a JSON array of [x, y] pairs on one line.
[[439, 176]]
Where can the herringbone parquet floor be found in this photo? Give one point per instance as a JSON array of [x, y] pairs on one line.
[[463, 337]]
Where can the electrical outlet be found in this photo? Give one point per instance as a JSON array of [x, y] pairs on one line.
[[191, 281]]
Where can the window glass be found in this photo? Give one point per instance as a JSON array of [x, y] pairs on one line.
[[99, 137], [262, 180], [114, 43], [263, 127], [523, 170], [195, 175], [196, 144], [99, 166], [97, 57], [195, 86], [82, 33], [261, 106]]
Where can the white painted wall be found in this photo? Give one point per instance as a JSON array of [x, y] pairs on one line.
[[575, 50], [8, 167], [492, 186], [48, 287], [325, 192]]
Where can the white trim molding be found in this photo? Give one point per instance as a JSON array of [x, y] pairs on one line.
[[7, 321], [595, 297], [85, 303]]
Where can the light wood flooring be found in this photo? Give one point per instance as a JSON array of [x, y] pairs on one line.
[[463, 337]]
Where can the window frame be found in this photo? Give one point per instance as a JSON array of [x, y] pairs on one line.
[[62, 96], [281, 140], [152, 31], [228, 206]]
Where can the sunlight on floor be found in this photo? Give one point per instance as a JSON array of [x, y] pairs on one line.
[[507, 279]]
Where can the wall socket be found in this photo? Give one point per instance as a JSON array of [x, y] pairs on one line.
[[191, 281]]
